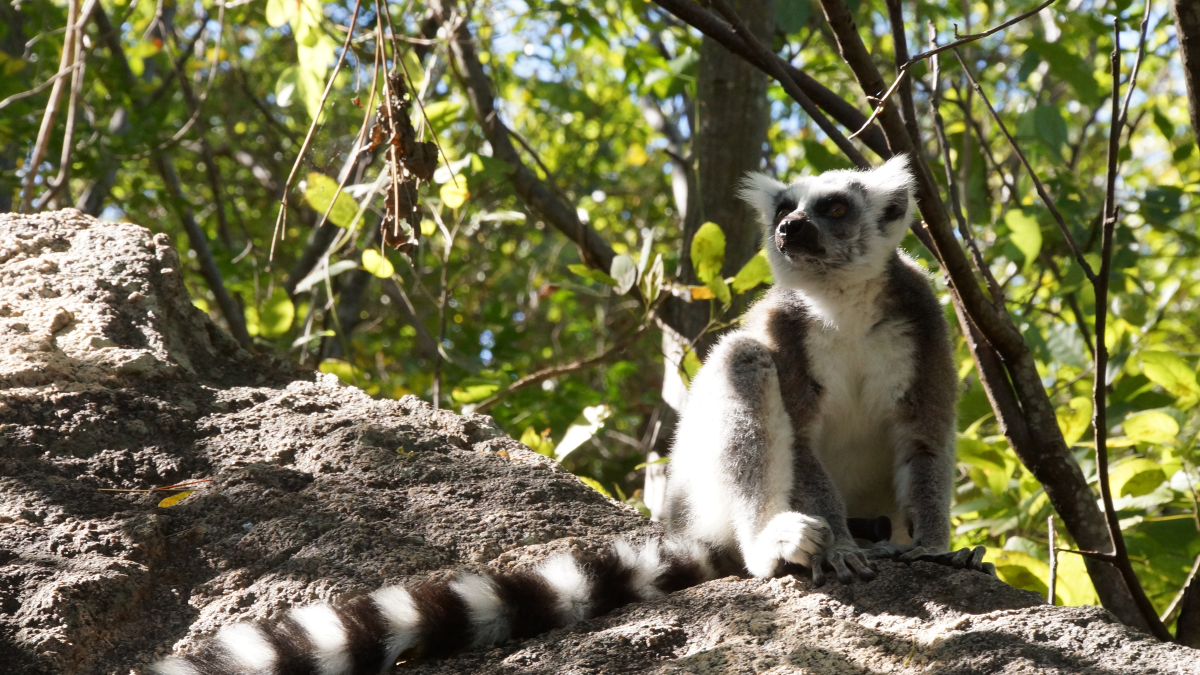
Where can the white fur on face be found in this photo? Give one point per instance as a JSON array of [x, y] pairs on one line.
[[881, 186]]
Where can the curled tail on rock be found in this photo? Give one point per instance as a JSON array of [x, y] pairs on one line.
[[366, 634]]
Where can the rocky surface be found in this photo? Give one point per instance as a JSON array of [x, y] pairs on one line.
[[110, 379]]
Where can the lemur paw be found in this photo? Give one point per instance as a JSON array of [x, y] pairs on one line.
[[846, 560], [790, 537], [967, 558]]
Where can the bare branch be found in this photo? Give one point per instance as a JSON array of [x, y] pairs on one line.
[[41, 87], [845, 113], [43, 138], [565, 368], [281, 220]]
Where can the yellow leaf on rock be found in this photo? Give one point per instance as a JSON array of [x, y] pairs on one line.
[[175, 498]]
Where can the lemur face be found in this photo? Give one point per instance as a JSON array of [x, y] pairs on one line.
[[838, 225]]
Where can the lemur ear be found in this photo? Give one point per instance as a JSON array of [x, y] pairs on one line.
[[894, 179], [761, 192]]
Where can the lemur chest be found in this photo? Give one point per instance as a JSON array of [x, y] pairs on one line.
[[862, 374]]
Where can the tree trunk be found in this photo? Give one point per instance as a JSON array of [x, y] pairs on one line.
[[1187, 31]]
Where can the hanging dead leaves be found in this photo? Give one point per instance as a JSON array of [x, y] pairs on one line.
[[408, 162]]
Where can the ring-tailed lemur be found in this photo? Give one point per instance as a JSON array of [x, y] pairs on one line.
[[834, 400]]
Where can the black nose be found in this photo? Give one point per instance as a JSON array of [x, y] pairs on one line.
[[798, 235]]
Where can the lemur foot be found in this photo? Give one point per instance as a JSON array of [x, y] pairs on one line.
[[790, 537], [967, 558], [846, 559]]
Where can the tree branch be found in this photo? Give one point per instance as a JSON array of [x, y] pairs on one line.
[[776, 67], [845, 113]]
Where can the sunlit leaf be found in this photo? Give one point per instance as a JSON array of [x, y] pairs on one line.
[[756, 271], [320, 273], [589, 423], [1074, 419], [708, 251], [690, 366], [454, 196], [175, 498], [539, 443], [1021, 570], [1172, 373], [343, 370], [1135, 477], [320, 190], [652, 281], [470, 393], [1026, 234], [595, 485], [720, 290], [276, 314], [1151, 427], [701, 293], [624, 272], [277, 13], [592, 275], [375, 263]]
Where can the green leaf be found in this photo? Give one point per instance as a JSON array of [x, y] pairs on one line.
[[624, 272], [1161, 204], [276, 314], [652, 280], [1025, 234], [375, 263], [1151, 427], [1172, 373], [595, 485], [1074, 419], [539, 443], [708, 251], [1165, 126], [660, 460], [285, 86], [756, 271], [470, 392], [720, 290], [175, 498], [343, 370], [1051, 128], [591, 274], [277, 13], [1136, 477], [320, 190], [318, 275], [1021, 570], [792, 15], [453, 196], [690, 366]]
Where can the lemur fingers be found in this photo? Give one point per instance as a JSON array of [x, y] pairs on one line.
[[966, 558], [847, 561]]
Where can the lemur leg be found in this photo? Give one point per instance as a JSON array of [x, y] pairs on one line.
[[730, 477], [814, 492], [924, 485]]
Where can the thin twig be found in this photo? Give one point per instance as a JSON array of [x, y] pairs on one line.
[[564, 369], [66, 62], [1037, 182], [1169, 612], [281, 219], [1099, 386], [1051, 594], [40, 88], [776, 68], [966, 39], [964, 229]]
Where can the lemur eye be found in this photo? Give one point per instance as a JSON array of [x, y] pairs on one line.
[[836, 209], [784, 209]]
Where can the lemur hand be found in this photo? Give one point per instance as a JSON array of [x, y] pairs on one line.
[[967, 558], [846, 559]]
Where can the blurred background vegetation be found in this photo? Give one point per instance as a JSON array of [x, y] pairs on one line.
[[188, 118]]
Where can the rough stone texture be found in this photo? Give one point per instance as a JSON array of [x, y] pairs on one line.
[[109, 378]]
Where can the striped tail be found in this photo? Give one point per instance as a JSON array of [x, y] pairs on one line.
[[366, 634]]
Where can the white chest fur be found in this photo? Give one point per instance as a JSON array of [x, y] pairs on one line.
[[864, 366]]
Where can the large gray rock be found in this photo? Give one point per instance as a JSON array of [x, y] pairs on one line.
[[109, 378]]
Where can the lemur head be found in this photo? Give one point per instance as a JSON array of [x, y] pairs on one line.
[[837, 227]]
